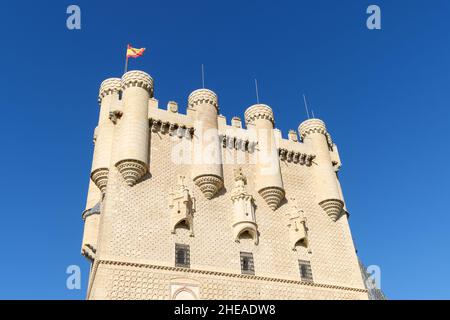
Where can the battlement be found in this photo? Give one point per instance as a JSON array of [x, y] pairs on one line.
[[203, 96], [259, 111], [109, 86], [138, 78], [312, 126], [171, 120]]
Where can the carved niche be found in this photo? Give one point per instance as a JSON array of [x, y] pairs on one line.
[[298, 230], [182, 207], [244, 221]]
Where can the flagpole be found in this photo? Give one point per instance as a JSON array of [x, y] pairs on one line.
[[126, 59], [126, 64]]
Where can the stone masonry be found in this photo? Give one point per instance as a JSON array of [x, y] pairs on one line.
[[162, 180]]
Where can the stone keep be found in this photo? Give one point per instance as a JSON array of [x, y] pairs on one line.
[[269, 217]]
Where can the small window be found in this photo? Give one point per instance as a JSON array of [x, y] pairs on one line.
[[120, 95], [247, 266], [182, 255], [305, 270]]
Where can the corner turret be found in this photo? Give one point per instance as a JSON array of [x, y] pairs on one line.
[[137, 87], [314, 133], [108, 97]]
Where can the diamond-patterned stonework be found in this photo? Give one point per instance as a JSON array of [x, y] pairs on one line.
[[135, 233]]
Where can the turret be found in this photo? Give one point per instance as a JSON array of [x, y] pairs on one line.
[[207, 171], [314, 133], [91, 217], [108, 97], [137, 89], [268, 176]]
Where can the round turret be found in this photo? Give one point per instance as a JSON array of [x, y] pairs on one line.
[[108, 96], [268, 174], [138, 78], [312, 126], [259, 111], [207, 172], [314, 133], [132, 163], [203, 96]]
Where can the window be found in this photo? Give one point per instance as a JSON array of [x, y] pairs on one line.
[[305, 270], [247, 266], [182, 255]]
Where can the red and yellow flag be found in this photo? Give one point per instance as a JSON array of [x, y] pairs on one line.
[[134, 52]]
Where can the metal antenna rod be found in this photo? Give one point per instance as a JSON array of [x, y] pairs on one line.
[[312, 111], [203, 77], [256, 88], [306, 105]]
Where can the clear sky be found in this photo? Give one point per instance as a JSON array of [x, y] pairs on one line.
[[384, 95]]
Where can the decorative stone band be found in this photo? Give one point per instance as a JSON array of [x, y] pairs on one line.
[[333, 207], [94, 210], [209, 185], [100, 178], [237, 143], [203, 96], [259, 111], [296, 157], [109, 86], [166, 127], [138, 78], [88, 251], [272, 196], [131, 170], [312, 126], [223, 274]]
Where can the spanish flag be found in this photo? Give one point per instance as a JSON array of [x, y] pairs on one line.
[[134, 52]]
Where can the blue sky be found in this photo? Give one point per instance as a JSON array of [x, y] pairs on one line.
[[384, 95]]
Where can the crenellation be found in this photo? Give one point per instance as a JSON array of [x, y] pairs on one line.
[[172, 106], [139, 79], [153, 103], [292, 135], [236, 122], [221, 122], [109, 86], [203, 96]]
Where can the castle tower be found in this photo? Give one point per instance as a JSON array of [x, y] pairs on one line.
[[107, 97], [314, 134], [268, 175], [207, 171], [142, 208], [133, 160]]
